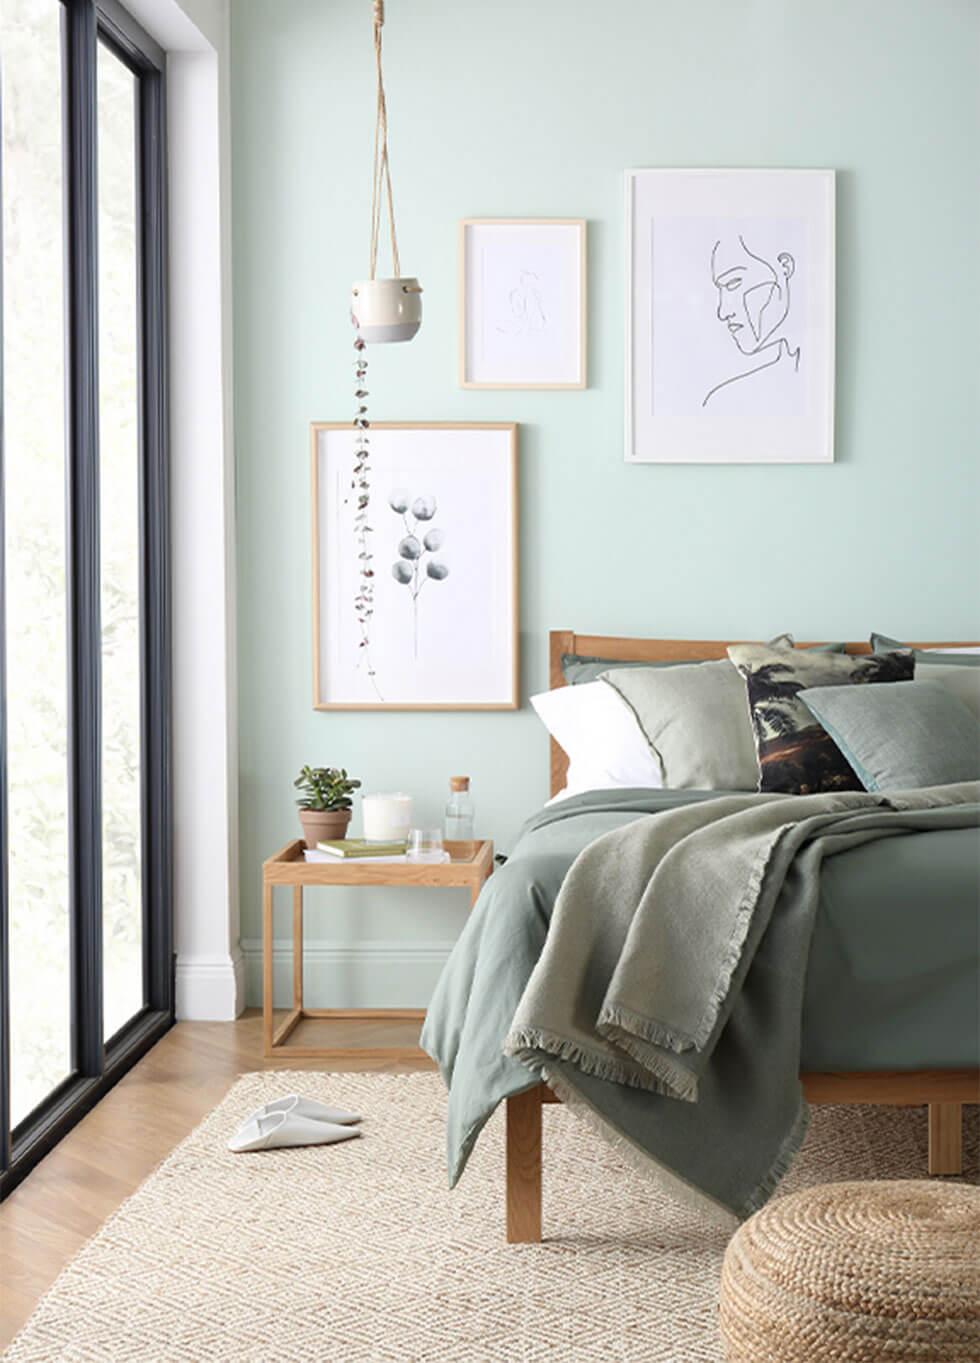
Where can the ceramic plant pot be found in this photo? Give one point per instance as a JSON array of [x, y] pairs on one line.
[[386, 309], [324, 825]]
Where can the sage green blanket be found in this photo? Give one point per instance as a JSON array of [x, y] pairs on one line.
[[666, 1002]]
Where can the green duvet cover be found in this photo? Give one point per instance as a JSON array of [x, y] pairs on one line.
[[873, 920]]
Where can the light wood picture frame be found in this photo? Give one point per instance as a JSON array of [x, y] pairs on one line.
[[523, 309], [443, 633]]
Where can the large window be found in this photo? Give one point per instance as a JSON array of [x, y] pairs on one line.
[[86, 971]]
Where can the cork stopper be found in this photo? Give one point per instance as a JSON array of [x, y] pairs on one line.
[[459, 783]]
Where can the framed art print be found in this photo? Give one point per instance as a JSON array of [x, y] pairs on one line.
[[730, 316], [522, 293], [440, 530]]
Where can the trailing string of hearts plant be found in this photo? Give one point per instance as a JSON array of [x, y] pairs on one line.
[[364, 600]]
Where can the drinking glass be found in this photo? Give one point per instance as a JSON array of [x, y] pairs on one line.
[[425, 844]]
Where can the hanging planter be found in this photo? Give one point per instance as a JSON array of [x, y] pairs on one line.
[[390, 309], [386, 309]]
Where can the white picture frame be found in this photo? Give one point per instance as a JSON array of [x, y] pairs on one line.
[[522, 303], [730, 316], [440, 640]]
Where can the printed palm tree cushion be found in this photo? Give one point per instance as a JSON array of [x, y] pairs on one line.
[[797, 756]]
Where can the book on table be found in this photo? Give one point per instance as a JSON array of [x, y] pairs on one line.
[[359, 849], [330, 859]]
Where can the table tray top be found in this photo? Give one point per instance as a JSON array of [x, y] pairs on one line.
[[467, 859]]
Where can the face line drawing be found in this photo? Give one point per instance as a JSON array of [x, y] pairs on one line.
[[753, 303]]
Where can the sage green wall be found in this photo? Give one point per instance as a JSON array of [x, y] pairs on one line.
[[513, 108]]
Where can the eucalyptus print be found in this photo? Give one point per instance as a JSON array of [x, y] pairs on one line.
[[416, 564]]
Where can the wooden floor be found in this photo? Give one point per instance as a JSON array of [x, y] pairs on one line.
[[113, 1149]]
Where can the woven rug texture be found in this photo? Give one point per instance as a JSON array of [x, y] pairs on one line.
[[359, 1253]]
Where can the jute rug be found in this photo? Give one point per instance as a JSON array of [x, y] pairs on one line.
[[358, 1252]]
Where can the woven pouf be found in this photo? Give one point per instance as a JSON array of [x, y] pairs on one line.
[[856, 1273]]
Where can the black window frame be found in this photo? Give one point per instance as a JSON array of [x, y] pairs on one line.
[[99, 1063]]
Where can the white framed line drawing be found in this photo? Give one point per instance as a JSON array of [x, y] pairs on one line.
[[522, 303], [442, 513], [730, 316]]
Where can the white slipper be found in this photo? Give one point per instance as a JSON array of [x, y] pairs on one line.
[[305, 1107], [280, 1130]]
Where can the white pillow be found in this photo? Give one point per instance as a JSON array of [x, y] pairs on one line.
[[974, 649], [605, 745]]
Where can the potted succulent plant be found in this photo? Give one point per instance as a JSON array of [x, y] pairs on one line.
[[324, 802]]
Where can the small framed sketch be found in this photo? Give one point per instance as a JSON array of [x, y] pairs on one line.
[[730, 316], [522, 294], [438, 552]]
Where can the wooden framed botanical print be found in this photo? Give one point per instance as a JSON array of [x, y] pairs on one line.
[[522, 293], [415, 579], [730, 316]]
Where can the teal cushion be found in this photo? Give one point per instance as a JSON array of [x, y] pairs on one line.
[[579, 668], [880, 643], [899, 736]]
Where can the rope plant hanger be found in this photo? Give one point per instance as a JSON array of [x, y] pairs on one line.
[[382, 310]]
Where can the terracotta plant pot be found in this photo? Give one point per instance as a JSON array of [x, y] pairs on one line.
[[324, 825]]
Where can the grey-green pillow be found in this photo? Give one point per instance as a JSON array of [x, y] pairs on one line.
[[696, 721], [880, 643], [579, 668], [962, 682], [900, 736]]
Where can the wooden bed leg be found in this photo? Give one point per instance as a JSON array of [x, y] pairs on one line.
[[945, 1138], [524, 1167]]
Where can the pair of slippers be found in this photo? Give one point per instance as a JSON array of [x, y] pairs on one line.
[[294, 1121]]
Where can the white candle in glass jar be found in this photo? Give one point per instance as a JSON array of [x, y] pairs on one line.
[[386, 818]]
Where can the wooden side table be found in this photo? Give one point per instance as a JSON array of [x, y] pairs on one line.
[[471, 865]]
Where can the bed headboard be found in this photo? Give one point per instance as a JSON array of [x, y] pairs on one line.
[[564, 641]]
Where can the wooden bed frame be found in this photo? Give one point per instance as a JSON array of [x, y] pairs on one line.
[[943, 1091]]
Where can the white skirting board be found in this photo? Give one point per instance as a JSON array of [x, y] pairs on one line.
[[337, 974], [210, 988]]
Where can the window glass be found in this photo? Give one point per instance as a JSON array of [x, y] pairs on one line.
[[35, 549], [119, 526]]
